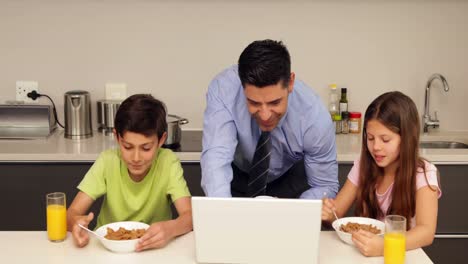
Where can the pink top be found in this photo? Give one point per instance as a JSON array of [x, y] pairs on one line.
[[386, 198]]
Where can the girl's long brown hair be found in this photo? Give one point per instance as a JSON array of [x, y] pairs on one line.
[[399, 114]]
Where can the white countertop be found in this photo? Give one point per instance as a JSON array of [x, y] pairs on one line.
[[56, 148], [33, 247]]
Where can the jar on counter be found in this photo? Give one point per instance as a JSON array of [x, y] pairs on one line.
[[337, 122], [345, 122], [355, 122]]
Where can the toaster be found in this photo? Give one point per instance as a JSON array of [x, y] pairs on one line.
[[26, 120]]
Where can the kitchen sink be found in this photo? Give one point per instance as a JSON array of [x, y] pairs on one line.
[[442, 145]]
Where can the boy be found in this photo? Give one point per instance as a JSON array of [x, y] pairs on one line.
[[139, 179]]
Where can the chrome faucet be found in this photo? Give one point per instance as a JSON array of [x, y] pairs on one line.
[[428, 120]]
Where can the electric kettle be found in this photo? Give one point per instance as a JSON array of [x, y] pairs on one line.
[[77, 114]]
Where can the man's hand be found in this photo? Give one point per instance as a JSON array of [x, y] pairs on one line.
[[369, 244], [81, 236], [156, 236]]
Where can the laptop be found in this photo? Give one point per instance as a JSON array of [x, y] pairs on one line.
[[256, 230]]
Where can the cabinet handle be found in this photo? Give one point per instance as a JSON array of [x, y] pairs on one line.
[[452, 236]]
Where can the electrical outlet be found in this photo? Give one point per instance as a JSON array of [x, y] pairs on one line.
[[23, 88], [116, 91]]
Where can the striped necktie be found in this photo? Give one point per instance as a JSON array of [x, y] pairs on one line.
[[258, 173]]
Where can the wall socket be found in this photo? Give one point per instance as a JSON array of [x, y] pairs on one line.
[[23, 88]]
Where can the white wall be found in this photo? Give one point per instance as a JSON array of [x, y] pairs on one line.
[[172, 49]]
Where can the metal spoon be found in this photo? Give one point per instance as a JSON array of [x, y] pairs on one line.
[[92, 232], [325, 196]]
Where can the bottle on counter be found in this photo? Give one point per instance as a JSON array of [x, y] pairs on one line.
[[343, 101], [337, 122], [355, 122], [345, 123], [333, 102]]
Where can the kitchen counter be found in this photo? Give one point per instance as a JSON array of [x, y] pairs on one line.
[[33, 247], [56, 148]]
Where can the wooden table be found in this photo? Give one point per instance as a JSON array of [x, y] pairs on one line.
[[33, 247]]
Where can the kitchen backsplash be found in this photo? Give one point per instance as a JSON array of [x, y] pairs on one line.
[[173, 49]]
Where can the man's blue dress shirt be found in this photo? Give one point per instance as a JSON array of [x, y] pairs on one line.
[[230, 134]]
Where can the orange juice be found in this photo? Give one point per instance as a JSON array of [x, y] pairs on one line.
[[56, 222], [394, 248]]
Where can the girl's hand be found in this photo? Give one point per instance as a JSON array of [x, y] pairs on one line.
[[81, 236], [369, 244], [157, 236], [328, 206]]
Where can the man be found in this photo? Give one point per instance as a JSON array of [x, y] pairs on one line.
[[266, 133]]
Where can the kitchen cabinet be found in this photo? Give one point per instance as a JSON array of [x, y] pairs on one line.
[[25, 185]]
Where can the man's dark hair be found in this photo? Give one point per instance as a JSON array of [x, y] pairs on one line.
[[264, 63], [142, 114]]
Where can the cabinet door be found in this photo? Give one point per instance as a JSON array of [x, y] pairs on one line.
[[24, 188], [452, 215], [192, 174], [448, 250]]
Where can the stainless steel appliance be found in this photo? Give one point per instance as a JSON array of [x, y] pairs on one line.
[[26, 121], [77, 114], [174, 133], [106, 110]]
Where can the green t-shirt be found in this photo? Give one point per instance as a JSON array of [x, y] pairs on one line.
[[146, 201]]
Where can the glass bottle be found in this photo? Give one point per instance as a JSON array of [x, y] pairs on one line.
[[333, 100], [345, 123], [343, 101], [337, 122]]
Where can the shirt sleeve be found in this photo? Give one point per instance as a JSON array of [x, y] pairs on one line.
[[177, 186], [320, 158], [431, 176], [353, 175], [94, 182], [219, 143]]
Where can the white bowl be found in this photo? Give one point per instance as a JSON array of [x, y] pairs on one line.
[[120, 246], [346, 237]]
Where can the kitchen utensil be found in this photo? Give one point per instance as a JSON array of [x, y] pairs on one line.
[[346, 237], [26, 121], [77, 114], [106, 110], [120, 246], [174, 133], [334, 213], [90, 231], [325, 196]]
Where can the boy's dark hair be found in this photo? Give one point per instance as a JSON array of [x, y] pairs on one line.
[[264, 63], [143, 114]]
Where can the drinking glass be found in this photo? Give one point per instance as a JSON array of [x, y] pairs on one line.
[[56, 216], [395, 239]]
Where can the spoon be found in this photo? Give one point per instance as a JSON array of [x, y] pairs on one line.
[[325, 196], [90, 231]]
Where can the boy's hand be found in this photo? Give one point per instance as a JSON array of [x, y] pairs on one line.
[[369, 244], [328, 206], [81, 236], [156, 236]]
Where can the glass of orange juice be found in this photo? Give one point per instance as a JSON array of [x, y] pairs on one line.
[[395, 239], [56, 216]]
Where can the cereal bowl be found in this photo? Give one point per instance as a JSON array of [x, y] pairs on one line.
[[346, 237], [120, 246]]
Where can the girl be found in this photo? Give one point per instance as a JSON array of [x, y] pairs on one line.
[[390, 177]]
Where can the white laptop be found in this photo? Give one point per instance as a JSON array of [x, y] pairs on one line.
[[256, 230]]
